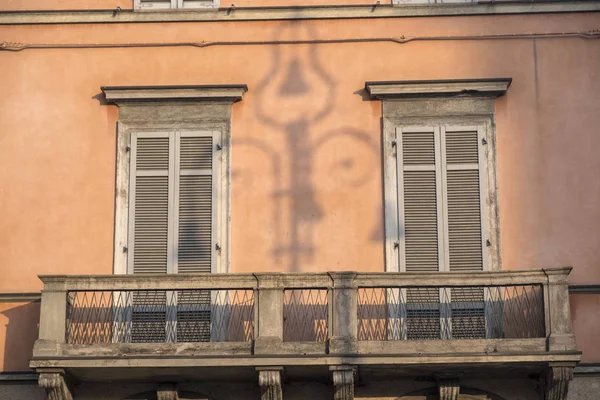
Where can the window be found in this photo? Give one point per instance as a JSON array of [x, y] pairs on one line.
[[440, 200], [172, 205], [166, 4]]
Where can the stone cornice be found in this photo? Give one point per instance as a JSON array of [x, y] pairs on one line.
[[125, 94], [437, 88], [296, 13]]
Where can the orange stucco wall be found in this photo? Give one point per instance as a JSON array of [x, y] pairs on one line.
[[306, 152]]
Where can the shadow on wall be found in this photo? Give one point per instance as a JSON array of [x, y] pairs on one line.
[[21, 333], [304, 94]]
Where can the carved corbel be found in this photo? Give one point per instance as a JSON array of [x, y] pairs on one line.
[[167, 391], [448, 389], [269, 380], [55, 385], [556, 381], [343, 382]]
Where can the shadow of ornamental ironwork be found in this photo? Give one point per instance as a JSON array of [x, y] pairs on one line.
[[304, 93]]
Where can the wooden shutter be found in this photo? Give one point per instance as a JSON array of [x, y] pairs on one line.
[[174, 192], [197, 194], [463, 181], [149, 203], [149, 249], [419, 197], [441, 186], [419, 206]]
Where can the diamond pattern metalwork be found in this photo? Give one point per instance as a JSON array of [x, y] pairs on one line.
[[305, 315], [444, 313], [157, 316]]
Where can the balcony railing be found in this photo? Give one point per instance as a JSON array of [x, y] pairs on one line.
[[466, 312], [355, 315]]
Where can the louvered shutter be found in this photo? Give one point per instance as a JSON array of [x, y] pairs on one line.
[[174, 191], [149, 203], [464, 180], [441, 186], [419, 206], [149, 250], [196, 193], [463, 176], [419, 199]]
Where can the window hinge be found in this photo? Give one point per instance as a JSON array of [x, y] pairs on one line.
[[394, 143], [124, 249], [127, 149], [396, 245], [488, 243], [219, 147], [217, 247], [483, 141]]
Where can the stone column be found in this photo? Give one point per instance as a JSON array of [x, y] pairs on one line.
[[344, 324], [270, 314], [269, 380], [556, 381], [343, 378], [448, 389], [167, 391], [55, 385]]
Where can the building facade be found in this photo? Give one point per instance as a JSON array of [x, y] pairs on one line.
[[302, 199]]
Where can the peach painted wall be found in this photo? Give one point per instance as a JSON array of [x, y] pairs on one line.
[[306, 163], [18, 332]]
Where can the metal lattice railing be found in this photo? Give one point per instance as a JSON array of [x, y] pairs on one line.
[[443, 313], [156, 316], [305, 315]]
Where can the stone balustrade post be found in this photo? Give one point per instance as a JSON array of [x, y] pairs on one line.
[[561, 336], [53, 321], [270, 314], [344, 323]]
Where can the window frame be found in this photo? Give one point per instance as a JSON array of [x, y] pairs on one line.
[[171, 107]]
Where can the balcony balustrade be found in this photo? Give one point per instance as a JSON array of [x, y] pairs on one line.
[[142, 325]]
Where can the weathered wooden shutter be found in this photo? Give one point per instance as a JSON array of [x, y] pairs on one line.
[[464, 181], [441, 186], [149, 203], [196, 194], [174, 178], [196, 212], [419, 199], [463, 199], [419, 205], [149, 250]]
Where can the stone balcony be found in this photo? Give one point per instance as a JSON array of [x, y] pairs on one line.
[[168, 328]]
